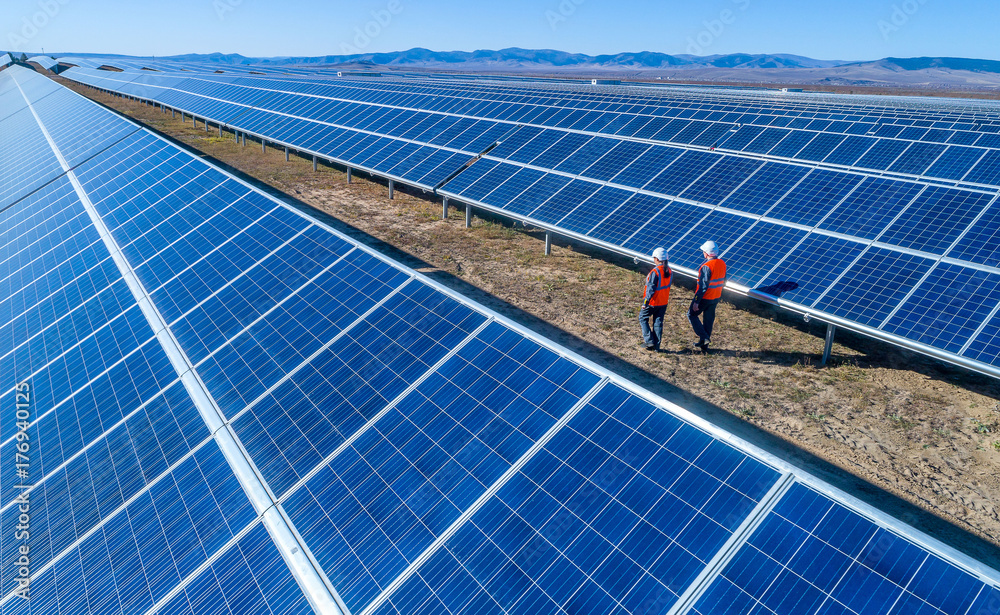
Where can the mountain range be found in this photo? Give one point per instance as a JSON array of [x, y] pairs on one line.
[[737, 67]]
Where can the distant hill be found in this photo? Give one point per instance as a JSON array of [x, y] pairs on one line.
[[739, 68], [540, 58], [979, 66]]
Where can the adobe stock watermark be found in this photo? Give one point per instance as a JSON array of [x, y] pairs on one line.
[[562, 12], [31, 25], [900, 16], [365, 34], [224, 7], [714, 28]]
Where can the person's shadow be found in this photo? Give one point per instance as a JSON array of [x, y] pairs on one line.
[[775, 290]]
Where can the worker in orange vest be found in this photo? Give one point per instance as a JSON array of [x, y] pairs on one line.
[[707, 294], [654, 302]]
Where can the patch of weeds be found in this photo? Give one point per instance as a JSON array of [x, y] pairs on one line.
[[819, 418], [493, 230], [996, 445], [747, 413], [722, 384], [798, 396], [899, 421], [984, 428]]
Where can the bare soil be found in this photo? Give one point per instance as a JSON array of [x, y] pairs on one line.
[[917, 428]]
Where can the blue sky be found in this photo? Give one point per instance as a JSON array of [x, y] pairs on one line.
[[841, 30]]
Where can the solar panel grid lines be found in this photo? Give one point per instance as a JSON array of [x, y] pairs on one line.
[[38, 571], [701, 583], [951, 247], [878, 571], [215, 593], [467, 514], [343, 161], [235, 455], [596, 133]]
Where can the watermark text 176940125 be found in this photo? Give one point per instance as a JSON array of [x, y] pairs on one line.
[[22, 531]]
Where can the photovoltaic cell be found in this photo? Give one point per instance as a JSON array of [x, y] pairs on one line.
[[378, 504], [810, 268], [948, 307], [682, 172], [723, 178], [612, 515], [935, 219], [665, 228], [814, 197], [874, 286], [754, 254], [871, 207], [812, 555], [765, 188]]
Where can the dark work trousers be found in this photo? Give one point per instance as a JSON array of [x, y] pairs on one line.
[[704, 331], [656, 312]]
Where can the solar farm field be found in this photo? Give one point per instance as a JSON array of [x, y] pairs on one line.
[[228, 401]]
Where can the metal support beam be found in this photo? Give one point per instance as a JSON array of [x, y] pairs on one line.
[[263, 146], [444, 208], [314, 163], [243, 136], [392, 189], [468, 216], [831, 329], [286, 153], [548, 243], [194, 122], [349, 175], [172, 116], [220, 130]]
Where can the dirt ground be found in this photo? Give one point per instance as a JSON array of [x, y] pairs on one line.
[[915, 427]]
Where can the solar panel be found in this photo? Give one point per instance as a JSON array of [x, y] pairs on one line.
[[298, 422]]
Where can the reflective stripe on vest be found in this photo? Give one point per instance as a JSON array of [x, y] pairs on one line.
[[661, 294], [716, 278]]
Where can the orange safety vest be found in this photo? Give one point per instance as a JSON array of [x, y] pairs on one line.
[[661, 294], [716, 279]]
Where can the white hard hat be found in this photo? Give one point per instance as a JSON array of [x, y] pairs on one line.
[[660, 254], [710, 248]]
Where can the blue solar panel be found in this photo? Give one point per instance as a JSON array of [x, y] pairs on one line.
[[814, 197], [935, 219], [404, 480], [870, 208], [600, 205], [412, 440], [948, 307], [810, 268], [873, 286], [812, 555], [610, 516], [763, 246], [765, 188]]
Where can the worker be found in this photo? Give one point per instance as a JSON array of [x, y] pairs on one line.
[[708, 292], [655, 299]]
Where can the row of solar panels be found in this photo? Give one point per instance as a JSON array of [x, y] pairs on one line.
[[743, 106], [152, 64], [426, 454], [938, 154], [770, 109], [912, 262]]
